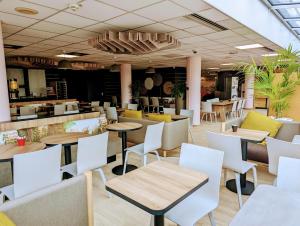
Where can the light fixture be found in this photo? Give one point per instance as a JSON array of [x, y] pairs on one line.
[[64, 64], [13, 84], [213, 68], [150, 70], [227, 64], [114, 68], [65, 55], [270, 54], [26, 11], [251, 46]]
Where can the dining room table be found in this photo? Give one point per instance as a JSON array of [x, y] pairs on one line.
[[122, 128], [222, 108], [157, 187], [246, 135]]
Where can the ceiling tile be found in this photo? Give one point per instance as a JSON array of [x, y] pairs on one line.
[[158, 27], [213, 14], [193, 5], [16, 20], [68, 39], [194, 39], [181, 23], [230, 24], [8, 28], [82, 34], [200, 30], [37, 33], [61, 4], [9, 6], [70, 20], [52, 27], [54, 42], [23, 38], [129, 5], [100, 27], [15, 42], [220, 35], [163, 11], [129, 21], [96, 10], [243, 31], [180, 34]]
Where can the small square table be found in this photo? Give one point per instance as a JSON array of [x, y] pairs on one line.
[[157, 187], [246, 135]]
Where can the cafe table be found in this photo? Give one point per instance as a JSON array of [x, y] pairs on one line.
[[269, 206], [246, 135], [222, 107], [178, 117], [123, 128], [157, 187], [66, 140], [7, 151]]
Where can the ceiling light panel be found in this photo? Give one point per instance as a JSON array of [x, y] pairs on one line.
[[251, 46]]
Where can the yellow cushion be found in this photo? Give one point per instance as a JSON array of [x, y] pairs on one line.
[[133, 114], [161, 118], [5, 221], [257, 121]]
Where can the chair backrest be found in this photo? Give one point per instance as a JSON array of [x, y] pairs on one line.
[[95, 103], [206, 107], [230, 145], [27, 111], [296, 139], [106, 105], [13, 110], [92, 152], [155, 101], [205, 160], [234, 105], [125, 105], [171, 111], [188, 113], [59, 109], [244, 103], [36, 170], [277, 148], [111, 113], [132, 107], [153, 137], [240, 104], [72, 107], [145, 101], [288, 174]]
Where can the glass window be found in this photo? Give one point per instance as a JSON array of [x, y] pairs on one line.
[[278, 2], [294, 23], [298, 31], [289, 13]]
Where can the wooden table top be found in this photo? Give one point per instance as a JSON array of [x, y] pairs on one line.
[[157, 187], [7, 151], [124, 126], [247, 134], [64, 138], [178, 117], [222, 103]]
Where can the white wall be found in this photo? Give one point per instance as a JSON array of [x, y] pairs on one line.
[[37, 81]]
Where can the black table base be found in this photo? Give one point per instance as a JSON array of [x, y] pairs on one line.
[[159, 220], [68, 155], [246, 190], [118, 170]]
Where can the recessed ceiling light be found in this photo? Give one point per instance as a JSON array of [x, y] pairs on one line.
[[213, 68], [252, 46], [269, 54], [227, 64], [26, 11], [66, 55]]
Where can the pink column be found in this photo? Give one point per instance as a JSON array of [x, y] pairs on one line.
[[125, 83], [249, 91], [4, 99], [194, 86]]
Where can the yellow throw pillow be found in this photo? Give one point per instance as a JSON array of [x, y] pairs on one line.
[[161, 118], [257, 121], [5, 221], [133, 114]]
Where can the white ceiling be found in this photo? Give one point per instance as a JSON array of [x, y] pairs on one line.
[[56, 28]]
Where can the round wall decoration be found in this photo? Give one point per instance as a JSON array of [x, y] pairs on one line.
[[148, 83], [157, 78], [167, 88]]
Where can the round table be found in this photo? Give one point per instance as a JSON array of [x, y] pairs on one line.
[[7, 151], [66, 140], [122, 128], [178, 117]]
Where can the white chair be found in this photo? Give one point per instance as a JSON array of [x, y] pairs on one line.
[[190, 115], [243, 106], [152, 142], [206, 199], [296, 139], [111, 114], [145, 103], [171, 111], [95, 105], [206, 109], [59, 109], [155, 104], [233, 112], [277, 148], [132, 107], [288, 174], [231, 145], [91, 155], [106, 105], [34, 171], [239, 108]]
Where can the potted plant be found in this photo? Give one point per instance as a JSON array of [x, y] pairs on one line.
[[178, 92], [276, 78]]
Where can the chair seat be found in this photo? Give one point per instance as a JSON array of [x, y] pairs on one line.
[[191, 209], [8, 191], [246, 166], [138, 149], [70, 168]]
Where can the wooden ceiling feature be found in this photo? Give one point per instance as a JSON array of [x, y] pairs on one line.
[[132, 42]]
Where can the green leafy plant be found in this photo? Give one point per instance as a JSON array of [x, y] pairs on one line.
[[178, 90], [276, 78]]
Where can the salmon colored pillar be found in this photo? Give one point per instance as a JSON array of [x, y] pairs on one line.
[[4, 98], [194, 86], [125, 83], [249, 91]]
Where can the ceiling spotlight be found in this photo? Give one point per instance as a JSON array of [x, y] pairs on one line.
[[26, 11], [150, 70], [251, 46], [227, 64], [213, 68], [270, 54], [64, 55], [74, 6], [64, 64]]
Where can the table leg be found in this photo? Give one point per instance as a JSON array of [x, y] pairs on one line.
[[68, 155], [118, 170], [247, 187], [12, 170], [159, 220]]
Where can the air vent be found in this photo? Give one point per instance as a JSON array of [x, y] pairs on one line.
[[77, 54], [7, 46], [202, 20]]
